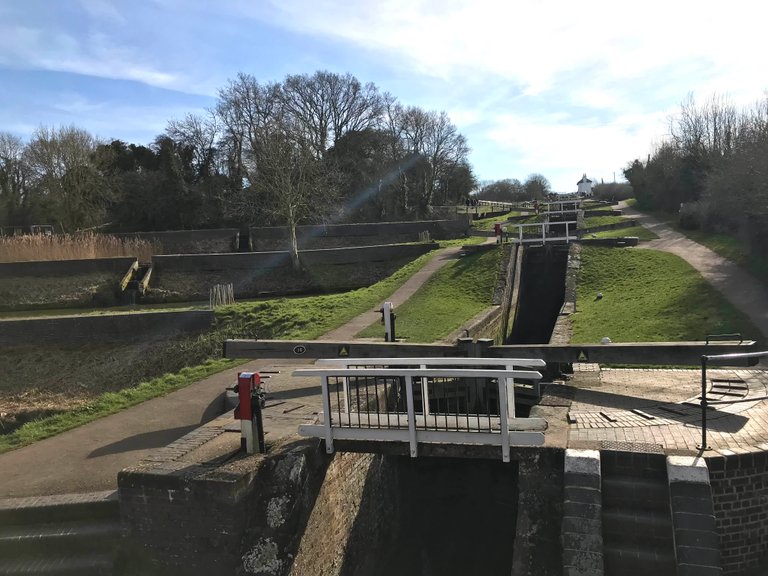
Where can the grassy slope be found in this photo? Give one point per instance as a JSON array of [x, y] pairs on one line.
[[109, 403], [648, 296], [594, 221], [310, 317], [86, 376], [639, 231], [456, 293], [725, 245], [488, 223]]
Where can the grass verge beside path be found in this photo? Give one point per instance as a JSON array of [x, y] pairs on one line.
[[109, 403], [639, 231], [82, 394], [594, 221], [312, 316], [488, 223], [725, 245], [649, 296], [456, 293]]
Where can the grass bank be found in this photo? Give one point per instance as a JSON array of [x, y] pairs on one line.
[[457, 292], [109, 403], [639, 231], [726, 245], [648, 296], [94, 381]]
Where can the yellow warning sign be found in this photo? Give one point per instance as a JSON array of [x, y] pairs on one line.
[[343, 350], [583, 356]]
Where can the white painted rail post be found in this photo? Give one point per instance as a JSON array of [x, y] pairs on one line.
[[424, 394], [345, 394], [503, 419], [411, 416], [510, 384], [327, 409]]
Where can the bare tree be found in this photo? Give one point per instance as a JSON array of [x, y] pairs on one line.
[[327, 105], [200, 134], [14, 173], [63, 174], [292, 181]]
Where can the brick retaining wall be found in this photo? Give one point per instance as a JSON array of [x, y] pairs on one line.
[[740, 494]]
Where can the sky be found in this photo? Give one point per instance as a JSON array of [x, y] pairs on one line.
[[555, 87]]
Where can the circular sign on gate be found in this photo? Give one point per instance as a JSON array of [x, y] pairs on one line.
[[299, 350]]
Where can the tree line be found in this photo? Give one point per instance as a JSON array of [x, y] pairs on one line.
[[535, 187], [713, 167], [309, 148]]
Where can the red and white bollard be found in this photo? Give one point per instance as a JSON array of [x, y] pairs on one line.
[[248, 411]]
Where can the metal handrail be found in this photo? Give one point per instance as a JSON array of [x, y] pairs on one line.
[[705, 358]]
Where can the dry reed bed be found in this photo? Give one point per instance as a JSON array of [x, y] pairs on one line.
[[73, 247]]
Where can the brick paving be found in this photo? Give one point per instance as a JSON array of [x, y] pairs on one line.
[[661, 408]]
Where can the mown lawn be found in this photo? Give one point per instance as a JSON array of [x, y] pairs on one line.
[[455, 294], [648, 296]]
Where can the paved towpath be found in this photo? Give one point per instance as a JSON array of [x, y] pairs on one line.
[[739, 287], [349, 330], [88, 458]]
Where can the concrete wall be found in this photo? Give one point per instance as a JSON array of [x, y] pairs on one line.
[[740, 494], [45, 268], [346, 235], [189, 277], [190, 241], [108, 327]]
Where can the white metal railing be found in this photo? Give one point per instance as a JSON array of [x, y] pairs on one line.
[[561, 205], [464, 406], [545, 235], [424, 363]]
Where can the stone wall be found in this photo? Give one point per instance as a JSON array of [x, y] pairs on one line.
[[189, 277], [100, 328], [190, 241], [349, 235], [46, 268], [538, 545], [199, 507], [740, 494], [351, 526]]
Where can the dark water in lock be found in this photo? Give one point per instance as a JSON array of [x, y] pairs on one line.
[[457, 517]]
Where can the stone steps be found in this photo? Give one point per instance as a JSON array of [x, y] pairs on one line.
[[636, 517], [60, 535]]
